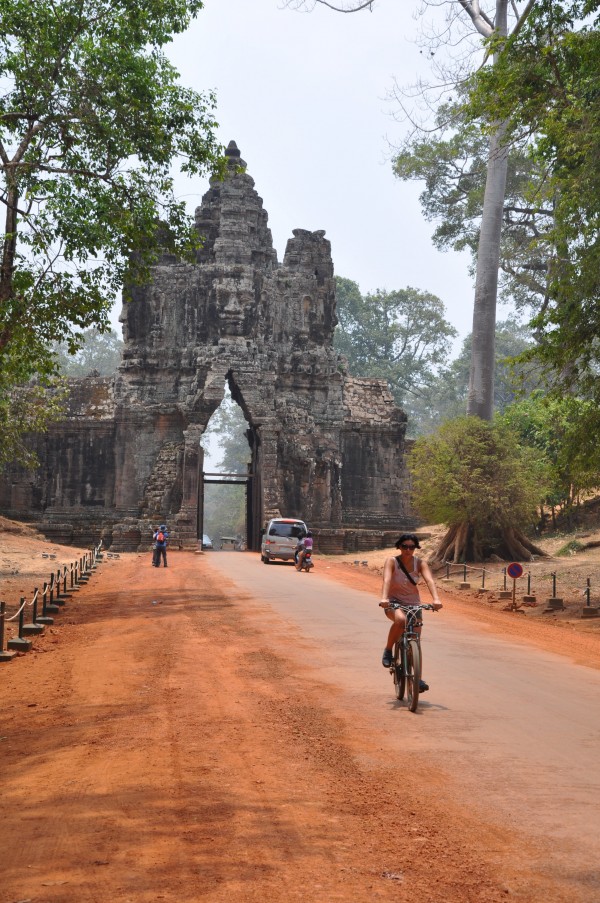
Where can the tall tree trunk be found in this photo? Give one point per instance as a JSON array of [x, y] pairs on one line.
[[7, 264], [480, 398]]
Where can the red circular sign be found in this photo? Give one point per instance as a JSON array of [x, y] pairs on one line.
[[514, 570]]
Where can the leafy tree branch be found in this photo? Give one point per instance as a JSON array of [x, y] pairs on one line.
[[92, 119]]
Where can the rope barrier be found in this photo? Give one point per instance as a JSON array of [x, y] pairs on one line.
[[463, 566], [88, 561], [554, 602], [18, 612]]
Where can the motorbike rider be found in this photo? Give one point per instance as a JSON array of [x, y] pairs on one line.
[[305, 543]]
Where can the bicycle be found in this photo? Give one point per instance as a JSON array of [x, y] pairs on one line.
[[406, 664]]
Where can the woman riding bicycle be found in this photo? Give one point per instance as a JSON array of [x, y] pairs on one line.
[[401, 575]]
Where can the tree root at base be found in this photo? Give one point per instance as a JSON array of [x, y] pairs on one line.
[[461, 543]]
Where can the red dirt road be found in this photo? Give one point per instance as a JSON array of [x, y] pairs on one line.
[[174, 738]]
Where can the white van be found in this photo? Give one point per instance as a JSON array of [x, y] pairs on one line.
[[281, 538]]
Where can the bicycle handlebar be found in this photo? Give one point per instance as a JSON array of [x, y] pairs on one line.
[[395, 605]]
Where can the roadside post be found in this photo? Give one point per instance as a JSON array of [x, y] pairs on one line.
[[514, 571], [554, 603], [589, 611], [5, 654], [504, 592], [529, 598]]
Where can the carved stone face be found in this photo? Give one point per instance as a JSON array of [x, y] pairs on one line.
[[235, 306]]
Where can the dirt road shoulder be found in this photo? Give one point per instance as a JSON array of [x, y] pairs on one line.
[[157, 745]]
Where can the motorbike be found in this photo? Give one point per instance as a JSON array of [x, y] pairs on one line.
[[307, 562]]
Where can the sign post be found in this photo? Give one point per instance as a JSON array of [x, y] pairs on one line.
[[515, 571]]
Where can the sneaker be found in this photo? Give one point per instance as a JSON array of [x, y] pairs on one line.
[[387, 658], [423, 687]]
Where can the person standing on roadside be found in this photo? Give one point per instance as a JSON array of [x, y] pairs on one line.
[[161, 539], [401, 575]]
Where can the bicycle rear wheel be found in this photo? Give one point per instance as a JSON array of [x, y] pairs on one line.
[[413, 674], [399, 682]]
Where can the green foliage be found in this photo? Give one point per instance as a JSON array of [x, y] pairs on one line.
[[546, 87], [92, 118], [401, 336], [476, 472], [446, 397], [565, 430], [228, 427], [431, 393], [224, 510], [30, 408], [378, 339], [571, 548], [451, 162], [99, 353]]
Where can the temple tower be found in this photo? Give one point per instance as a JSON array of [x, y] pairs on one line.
[[325, 446]]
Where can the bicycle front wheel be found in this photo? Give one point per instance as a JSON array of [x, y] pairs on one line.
[[413, 674], [399, 681]]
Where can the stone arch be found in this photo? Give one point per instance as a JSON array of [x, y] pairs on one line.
[[253, 477]]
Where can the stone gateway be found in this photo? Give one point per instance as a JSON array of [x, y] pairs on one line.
[[325, 446]]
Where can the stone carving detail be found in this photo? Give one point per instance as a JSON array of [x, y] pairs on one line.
[[325, 446]]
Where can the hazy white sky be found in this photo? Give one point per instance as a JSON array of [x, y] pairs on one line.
[[303, 95]]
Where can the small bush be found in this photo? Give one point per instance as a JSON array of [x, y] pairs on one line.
[[571, 548]]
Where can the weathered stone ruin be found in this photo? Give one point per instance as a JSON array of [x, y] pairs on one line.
[[325, 446]]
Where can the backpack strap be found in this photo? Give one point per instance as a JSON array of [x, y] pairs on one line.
[[401, 565]]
